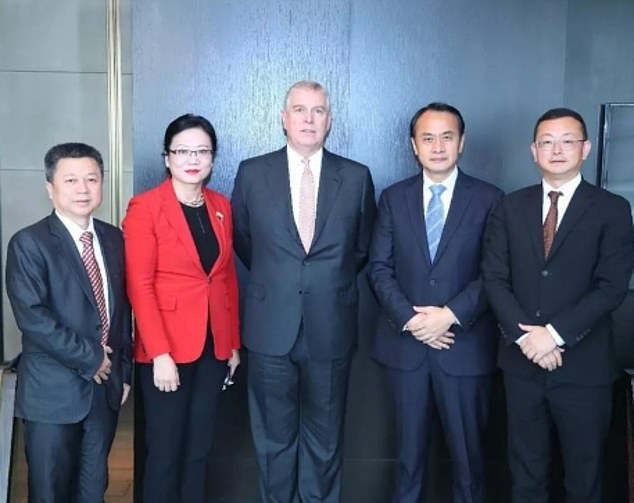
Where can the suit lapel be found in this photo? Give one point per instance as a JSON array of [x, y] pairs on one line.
[[111, 264], [415, 210], [532, 207], [279, 186], [69, 249], [329, 184], [176, 218], [217, 220], [581, 199], [460, 200]]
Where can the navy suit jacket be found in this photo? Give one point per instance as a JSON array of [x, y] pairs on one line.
[[402, 275], [56, 311], [288, 287], [584, 279]]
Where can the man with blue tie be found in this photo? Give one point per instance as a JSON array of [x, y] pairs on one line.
[[435, 335]]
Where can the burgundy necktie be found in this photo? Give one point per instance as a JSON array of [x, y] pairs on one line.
[[550, 223], [306, 221], [96, 282]]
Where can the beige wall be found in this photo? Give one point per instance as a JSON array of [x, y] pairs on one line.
[[53, 89]]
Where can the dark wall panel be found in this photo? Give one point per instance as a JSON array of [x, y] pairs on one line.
[[232, 62], [500, 62]]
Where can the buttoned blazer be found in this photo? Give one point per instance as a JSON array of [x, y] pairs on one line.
[[174, 300], [403, 275], [56, 311], [287, 286], [576, 288]]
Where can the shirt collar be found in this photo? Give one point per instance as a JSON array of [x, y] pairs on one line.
[[295, 159], [75, 230], [567, 189], [448, 182]]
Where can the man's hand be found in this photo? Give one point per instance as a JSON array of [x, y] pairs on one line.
[[430, 325], [537, 343], [126, 392], [104, 370], [552, 360], [165, 373]]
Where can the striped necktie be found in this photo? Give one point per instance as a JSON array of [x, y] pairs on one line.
[[434, 219], [96, 282]]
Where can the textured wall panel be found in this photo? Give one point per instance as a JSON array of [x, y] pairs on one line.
[[232, 62]]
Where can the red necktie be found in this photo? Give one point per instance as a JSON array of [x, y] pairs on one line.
[[550, 224], [96, 282]]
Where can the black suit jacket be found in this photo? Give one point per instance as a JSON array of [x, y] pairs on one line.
[[55, 310], [584, 279], [286, 286], [403, 275]]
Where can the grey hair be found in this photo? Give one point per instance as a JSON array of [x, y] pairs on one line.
[[307, 84]]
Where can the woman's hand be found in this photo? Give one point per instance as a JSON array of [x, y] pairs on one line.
[[233, 362], [165, 373]]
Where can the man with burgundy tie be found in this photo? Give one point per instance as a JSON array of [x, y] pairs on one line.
[[65, 281], [302, 223], [557, 261], [436, 336]]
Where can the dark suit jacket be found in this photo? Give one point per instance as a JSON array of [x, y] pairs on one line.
[[287, 286], [55, 309], [583, 280], [402, 275]]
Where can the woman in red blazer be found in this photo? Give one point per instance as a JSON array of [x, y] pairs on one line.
[[182, 285]]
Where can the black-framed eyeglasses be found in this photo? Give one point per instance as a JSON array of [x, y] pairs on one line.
[[186, 153]]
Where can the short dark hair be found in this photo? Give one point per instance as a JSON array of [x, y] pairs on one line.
[[71, 150], [560, 113], [437, 107], [189, 121]]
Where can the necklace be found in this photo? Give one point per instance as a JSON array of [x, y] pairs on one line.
[[196, 202]]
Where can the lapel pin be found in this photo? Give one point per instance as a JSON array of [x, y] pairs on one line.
[[220, 216]]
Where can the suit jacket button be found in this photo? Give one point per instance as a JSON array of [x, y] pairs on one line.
[[432, 282], [300, 292], [538, 313], [545, 273], [306, 262]]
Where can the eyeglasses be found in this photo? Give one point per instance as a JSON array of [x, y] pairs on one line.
[[566, 144], [185, 153]]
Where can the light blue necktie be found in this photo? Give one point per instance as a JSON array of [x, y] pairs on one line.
[[434, 219]]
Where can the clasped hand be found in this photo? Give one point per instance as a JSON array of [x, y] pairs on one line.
[[540, 347], [430, 325]]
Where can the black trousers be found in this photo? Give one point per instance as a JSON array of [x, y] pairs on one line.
[[580, 416], [179, 429], [68, 463], [297, 409]]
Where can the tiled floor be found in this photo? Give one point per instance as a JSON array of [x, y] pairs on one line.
[[120, 489]]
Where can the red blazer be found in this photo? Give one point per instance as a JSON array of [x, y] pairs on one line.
[[171, 295]]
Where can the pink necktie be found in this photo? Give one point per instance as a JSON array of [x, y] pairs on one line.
[[307, 206], [92, 268]]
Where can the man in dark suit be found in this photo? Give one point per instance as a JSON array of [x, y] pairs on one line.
[[557, 261], [302, 218], [65, 281], [435, 336]]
